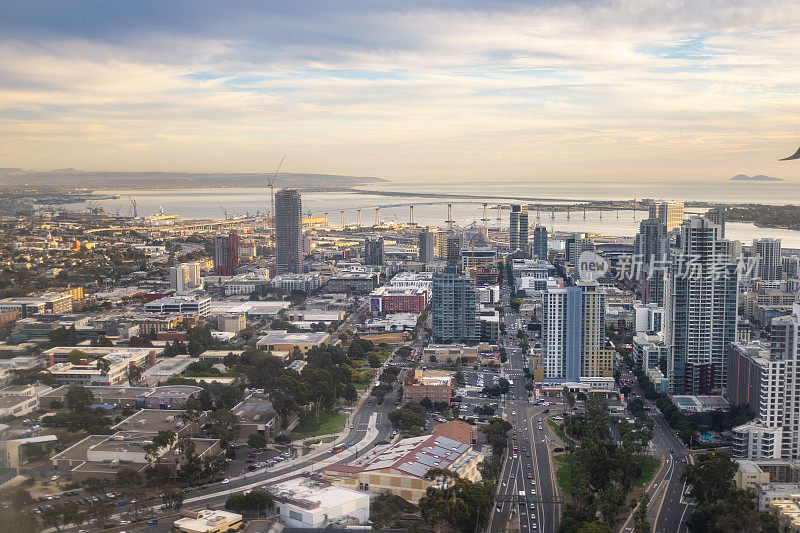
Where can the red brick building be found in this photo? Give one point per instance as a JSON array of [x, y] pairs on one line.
[[432, 384]]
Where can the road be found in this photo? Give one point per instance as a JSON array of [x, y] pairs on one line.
[[668, 508], [529, 502]]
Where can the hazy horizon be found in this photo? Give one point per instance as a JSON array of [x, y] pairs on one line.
[[518, 92]]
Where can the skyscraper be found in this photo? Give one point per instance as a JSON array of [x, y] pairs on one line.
[[700, 307], [652, 247], [717, 216], [288, 232], [575, 245], [226, 254], [768, 254], [453, 249], [539, 250], [573, 332], [426, 242], [670, 213], [518, 227], [373, 250], [454, 308]]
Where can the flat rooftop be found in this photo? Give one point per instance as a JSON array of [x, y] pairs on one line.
[[152, 421], [310, 494]]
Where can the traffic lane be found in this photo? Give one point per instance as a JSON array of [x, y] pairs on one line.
[[546, 489]]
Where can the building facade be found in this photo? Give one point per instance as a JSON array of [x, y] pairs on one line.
[[518, 228], [700, 310], [454, 308], [226, 254], [288, 232]]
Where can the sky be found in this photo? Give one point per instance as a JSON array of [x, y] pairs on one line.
[[408, 91]]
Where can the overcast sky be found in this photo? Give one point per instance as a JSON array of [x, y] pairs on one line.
[[404, 90]]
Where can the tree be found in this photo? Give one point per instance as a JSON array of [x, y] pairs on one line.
[[711, 477], [256, 440], [134, 374], [224, 426], [640, 523], [76, 356], [255, 500], [103, 366], [350, 393], [79, 397], [173, 498], [373, 360]]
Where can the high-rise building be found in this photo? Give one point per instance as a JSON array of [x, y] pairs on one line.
[[426, 242], [717, 216], [573, 332], [762, 378], [455, 317], [518, 227], [652, 247], [288, 232], [373, 250], [226, 254], [184, 277], [453, 249], [539, 249], [768, 254], [575, 245], [670, 213], [700, 307]]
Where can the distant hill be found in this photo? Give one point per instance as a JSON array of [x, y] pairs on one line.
[[69, 177], [757, 177]]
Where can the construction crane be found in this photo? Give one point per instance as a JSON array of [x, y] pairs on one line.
[[133, 205], [271, 185]]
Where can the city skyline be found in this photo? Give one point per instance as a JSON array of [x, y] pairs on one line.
[[524, 91]]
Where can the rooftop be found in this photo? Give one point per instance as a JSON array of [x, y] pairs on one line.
[[309, 494], [284, 337], [152, 421]]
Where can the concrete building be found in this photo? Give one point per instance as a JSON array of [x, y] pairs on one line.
[[283, 341], [353, 282], [288, 231], [87, 371], [388, 299], [185, 277], [232, 323], [432, 384], [54, 303], [518, 228], [297, 282], [18, 405], [400, 469], [768, 254], [180, 305], [649, 350], [454, 308], [573, 332], [539, 245], [575, 245], [207, 521], [226, 254], [670, 213], [426, 244], [652, 248], [700, 309], [373, 250], [305, 503], [763, 380]]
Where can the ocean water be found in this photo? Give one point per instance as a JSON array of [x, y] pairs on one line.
[[213, 202]]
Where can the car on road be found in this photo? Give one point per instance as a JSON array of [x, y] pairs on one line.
[[124, 522], [152, 522], [530, 476], [511, 476], [226, 481]]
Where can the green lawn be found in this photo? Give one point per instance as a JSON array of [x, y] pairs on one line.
[[361, 386], [649, 468], [328, 423], [560, 432], [563, 472]]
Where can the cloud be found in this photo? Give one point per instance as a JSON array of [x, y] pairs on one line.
[[609, 90]]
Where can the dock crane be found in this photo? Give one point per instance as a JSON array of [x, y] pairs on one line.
[[271, 185], [225, 211], [133, 205]]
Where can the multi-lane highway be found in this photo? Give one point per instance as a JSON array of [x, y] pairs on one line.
[[526, 494], [668, 508]]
